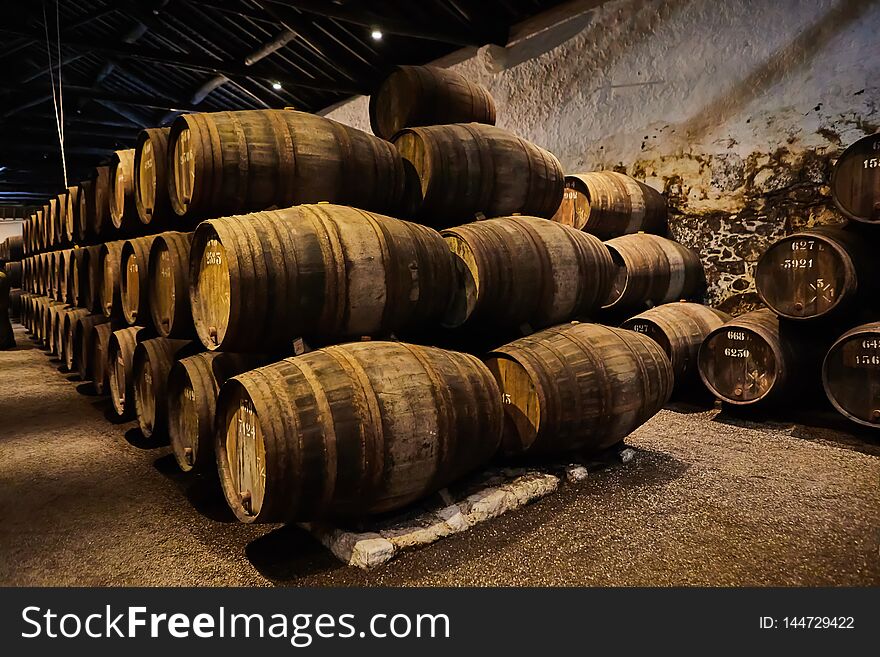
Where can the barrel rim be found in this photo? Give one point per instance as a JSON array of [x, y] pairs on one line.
[[178, 378], [181, 123], [203, 233], [834, 173], [853, 332]]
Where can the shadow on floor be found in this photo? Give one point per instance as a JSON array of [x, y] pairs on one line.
[[290, 553], [202, 490]]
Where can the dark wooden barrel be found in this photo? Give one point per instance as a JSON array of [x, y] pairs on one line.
[[13, 273], [64, 338], [353, 430], [41, 228], [151, 177], [120, 355], [608, 204], [151, 365], [83, 222], [679, 328], [526, 270], [15, 295], [168, 285], [193, 386], [83, 260], [651, 270], [67, 275], [855, 181], [52, 224], [49, 319], [226, 163], [62, 283], [851, 374], [578, 387], [464, 169], [415, 96], [82, 340], [70, 213], [746, 361], [54, 257], [61, 220], [121, 202], [99, 357], [134, 281], [109, 271], [15, 247], [341, 272], [99, 203], [817, 273]]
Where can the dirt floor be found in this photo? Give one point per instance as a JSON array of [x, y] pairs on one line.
[[708, 500]]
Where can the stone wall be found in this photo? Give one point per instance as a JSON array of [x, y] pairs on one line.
[[736, 110]]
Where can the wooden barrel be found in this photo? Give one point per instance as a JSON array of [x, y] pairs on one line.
[[134, 282], [651, 270], [109, 284], [41, 229], [334, 272], [99, 357], [15, 295], [353, 430], [13, 273], [225, 163], [64, 335], [82, 340], [526, 270], [52, 223], [746, 361], [62, 283], [151, 177], [151, 365], [851, 374], [54, 257], [86, 201], [81, 277], [415, 96], [70, 213], [193, 386], [608, 204], [679, 328], [15, 247], [466, 169], [168, 285], [61, 219], [68, 268], [120, 355], [49, 319], [123, 212], [46, 273], [578, 387], [855, 181], [99, 203], [818, 272]]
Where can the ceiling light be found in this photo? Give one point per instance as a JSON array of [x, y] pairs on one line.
[[276, 86], [377, 35]]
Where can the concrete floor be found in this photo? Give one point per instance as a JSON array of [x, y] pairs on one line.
[[708, 500]]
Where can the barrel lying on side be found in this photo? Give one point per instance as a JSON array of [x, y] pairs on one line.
[[518, 270], [193, 386], [151, 177], [168, 285], [465, 169], [121, 202], [353, 430], [82, 339], [66, 322], [851, 374], [679, 328], [334, 272], [83, 225], [608, 204], [427, 95], [120, 351], [652, 270], [70, 213], [819, 272], [578, 387], [225, 163], [99, 203], [13, 273], [151, 365], [134, 284], [747, 361], [855, 181], [100, 361], [110, 276]]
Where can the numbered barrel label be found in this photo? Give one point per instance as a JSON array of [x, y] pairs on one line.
[[213, 253]]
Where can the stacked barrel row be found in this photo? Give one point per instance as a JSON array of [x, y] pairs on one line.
[[274, 301], [820, 331]]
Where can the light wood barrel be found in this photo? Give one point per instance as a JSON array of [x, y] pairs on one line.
[[99, 357], [651, 270], [82, 340], [353, 430], [52, 326], [817, 273], [66, 322], [465, 169], [151, 177], [334, 272], [679, 328], [746, 361], [168, 285], [86, 201], [608, 204], [121, 201], [578, 387], [151, 365], [193, 386], [226, 163], [134, 280], [415, 96], [99, 203], [70, 213], [61, 219], [855, 181], [120, 356], [62, 287], [526, 270], [48, 323], [52, 223], [851, 374], [109, 260]]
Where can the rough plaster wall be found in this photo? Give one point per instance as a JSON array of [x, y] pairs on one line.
[[736, 110]]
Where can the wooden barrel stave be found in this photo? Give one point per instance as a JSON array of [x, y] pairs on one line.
[[120, 355], [151, 177], [109, 277], [168, 285], [82, 340], [151, 365], [134, 280]]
